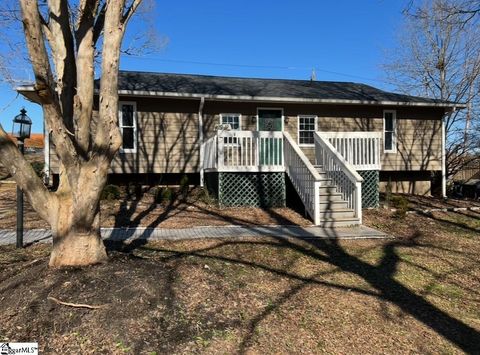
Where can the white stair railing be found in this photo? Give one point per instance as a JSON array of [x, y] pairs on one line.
[[210, 153], [342, 174], [361, 149], [303, 176]]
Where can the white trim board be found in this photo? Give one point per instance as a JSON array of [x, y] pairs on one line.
[[147, 93]]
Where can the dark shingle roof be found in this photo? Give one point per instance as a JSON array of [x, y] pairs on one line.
[[186, 84]]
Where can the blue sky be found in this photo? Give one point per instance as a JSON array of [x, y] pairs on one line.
[[343, 40]]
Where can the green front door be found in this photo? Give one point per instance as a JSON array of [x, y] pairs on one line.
[[270, 120]]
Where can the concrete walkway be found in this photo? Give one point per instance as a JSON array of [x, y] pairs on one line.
[[130, 234]]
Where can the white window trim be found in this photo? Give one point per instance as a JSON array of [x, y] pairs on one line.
[[120, 122], [271, 108], [233, 114], [394, 135], [298, 129]]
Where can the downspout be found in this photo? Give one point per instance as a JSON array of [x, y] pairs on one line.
[[200, 139], [444, 156]]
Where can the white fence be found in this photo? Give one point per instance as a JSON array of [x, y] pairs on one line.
[[303, 176], [361, 149], [342, 173]]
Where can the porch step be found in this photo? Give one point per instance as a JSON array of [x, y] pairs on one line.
[[335, 214], [328, 189], [332, 205], [339, 222], [330, 196]]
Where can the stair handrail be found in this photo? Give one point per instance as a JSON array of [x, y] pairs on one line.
[[334, 163], [304, 177], [210, 153]]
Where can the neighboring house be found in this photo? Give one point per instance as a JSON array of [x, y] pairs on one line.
[[337, 143]]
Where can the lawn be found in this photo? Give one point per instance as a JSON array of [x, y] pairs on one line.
[[417, 293]]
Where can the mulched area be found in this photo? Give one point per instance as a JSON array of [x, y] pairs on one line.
[[418, 293], [129, 211]]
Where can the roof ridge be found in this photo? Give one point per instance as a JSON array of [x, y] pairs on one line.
[[243, 77]]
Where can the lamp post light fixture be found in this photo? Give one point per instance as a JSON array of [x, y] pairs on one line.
[[22, 125]]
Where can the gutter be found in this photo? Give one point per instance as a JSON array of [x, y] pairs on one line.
[[145, 93]]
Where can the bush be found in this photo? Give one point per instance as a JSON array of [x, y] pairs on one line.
[[184, 184], [206, 197], [110, 192], [401, 204], [164, 195]]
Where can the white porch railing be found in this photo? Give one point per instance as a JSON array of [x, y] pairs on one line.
[[361, 149], [342, 173], [303, 176], [247, 151]]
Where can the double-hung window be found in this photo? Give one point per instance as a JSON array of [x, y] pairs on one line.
[[390, 131], [306, 129], [128, 126], [232, 119]]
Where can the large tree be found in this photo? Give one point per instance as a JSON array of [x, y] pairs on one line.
[[438, 56], [65, 41]]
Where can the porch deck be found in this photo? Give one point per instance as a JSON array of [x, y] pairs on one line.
[[330, 187]]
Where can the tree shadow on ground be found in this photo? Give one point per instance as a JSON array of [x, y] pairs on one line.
[[380, 276]]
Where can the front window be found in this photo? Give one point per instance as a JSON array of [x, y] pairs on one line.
[[389, 131], [306, 128], [128, 126], [232, 119]]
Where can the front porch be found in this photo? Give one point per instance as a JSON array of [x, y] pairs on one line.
[[250, 167]]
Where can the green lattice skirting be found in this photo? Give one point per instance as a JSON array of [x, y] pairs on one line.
[[251, 189], [370, 188]]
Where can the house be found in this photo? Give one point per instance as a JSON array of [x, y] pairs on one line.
[[337, 143]]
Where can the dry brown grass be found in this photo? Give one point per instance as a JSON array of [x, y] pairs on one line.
[[418, 293]]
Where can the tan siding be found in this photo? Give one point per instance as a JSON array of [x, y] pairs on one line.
[[168, 132]]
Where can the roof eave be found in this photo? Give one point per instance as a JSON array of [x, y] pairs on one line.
[[30, 93], [146, 93]]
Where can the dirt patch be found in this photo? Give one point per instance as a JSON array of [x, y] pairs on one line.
[[131, 211], [415, 294]]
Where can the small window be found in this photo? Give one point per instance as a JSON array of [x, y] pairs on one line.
[[232, 119], [389, 131], [306, 128], [128, 126]]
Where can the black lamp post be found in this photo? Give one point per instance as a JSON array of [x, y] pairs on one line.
[[22, 125]]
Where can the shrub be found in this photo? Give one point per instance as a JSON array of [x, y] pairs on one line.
[[401, 204], [206, 197], [110, 192], [164, 195], [184, 184]]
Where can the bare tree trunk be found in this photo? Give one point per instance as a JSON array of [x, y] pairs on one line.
[[76, 242], [62, 55]]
